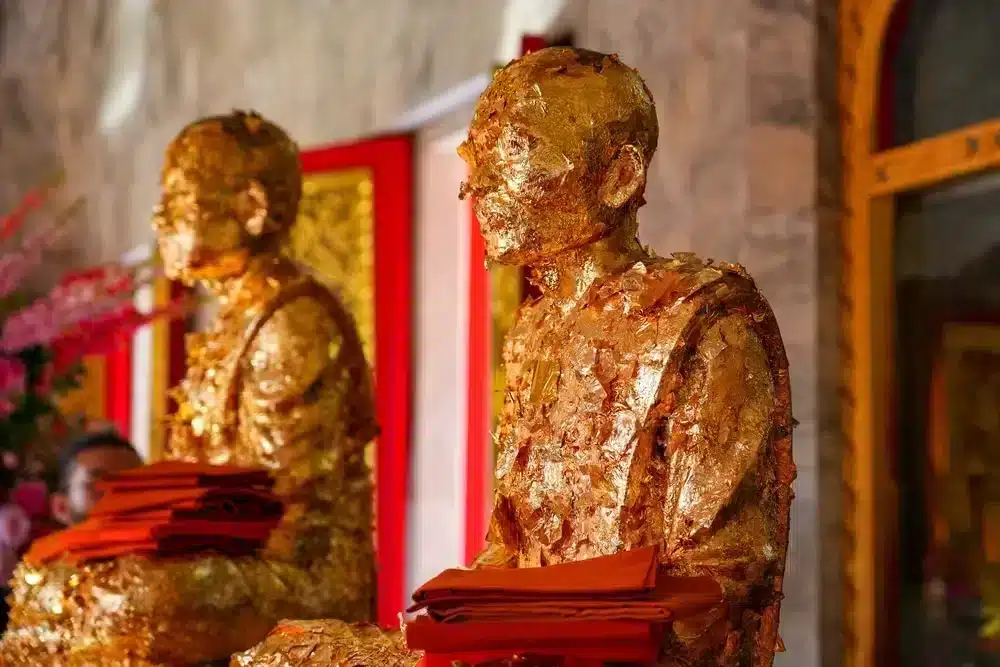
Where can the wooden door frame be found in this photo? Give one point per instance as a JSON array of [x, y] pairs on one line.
[[872, 179]]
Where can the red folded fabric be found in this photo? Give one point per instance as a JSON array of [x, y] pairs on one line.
[[673, 598], [180, 474], [96, 536], [624, 575], [172, 547], [608, 641], [171, 508], [197, 501], [607, 609]]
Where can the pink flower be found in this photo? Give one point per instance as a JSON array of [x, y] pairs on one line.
[[80, 298], [33, 497], [15, 526], [10, 460]]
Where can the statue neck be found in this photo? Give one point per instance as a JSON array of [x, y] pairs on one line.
[[260, 274], [568, 275]]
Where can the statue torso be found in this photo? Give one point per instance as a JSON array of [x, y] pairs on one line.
[[594, 397], [214, 359]]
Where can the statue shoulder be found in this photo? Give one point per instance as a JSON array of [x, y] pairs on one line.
[[682, 285], [296, 339]]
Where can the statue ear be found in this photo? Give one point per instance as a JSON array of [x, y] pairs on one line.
[[253, 205], [624, 178]]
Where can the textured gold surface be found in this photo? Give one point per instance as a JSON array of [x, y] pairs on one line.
[[506, 295], [299, 643], [279, 381], [334, 237], [647, 399]]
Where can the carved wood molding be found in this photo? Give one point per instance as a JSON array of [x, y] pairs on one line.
[[930, 161], [862, 25]]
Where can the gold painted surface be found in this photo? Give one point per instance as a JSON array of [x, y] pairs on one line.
[[647, 399], [279, 381], [334, 236], [160, 380], [297, 643], [90, 398], [505, 298]]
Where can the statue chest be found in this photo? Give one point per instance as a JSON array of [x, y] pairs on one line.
[[214, 359], [575, 433]]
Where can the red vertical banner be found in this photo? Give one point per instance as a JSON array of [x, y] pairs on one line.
[[118, 385], [478, 459], [388, 163]]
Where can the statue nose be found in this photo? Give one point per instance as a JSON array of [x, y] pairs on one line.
[[479, 183]]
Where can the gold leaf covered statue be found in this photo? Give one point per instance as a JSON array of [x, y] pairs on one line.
[[279, 381], [647, 399]]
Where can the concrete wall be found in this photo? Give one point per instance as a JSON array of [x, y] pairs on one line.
[[746, 169]]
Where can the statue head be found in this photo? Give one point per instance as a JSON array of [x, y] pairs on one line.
[[230, 190], [558, 151]]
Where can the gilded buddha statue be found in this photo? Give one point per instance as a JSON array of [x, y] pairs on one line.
[[647, 399], [279, 381]]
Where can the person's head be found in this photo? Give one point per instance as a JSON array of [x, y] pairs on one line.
[[558, 150], [230, 189], [83, 463]]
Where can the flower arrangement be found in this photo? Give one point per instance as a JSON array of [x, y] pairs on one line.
[[43, 340]]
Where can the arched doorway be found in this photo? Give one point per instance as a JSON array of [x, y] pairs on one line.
[[921, 148]]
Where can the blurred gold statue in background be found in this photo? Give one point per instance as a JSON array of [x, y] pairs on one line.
[[647, 399], [278, 382]]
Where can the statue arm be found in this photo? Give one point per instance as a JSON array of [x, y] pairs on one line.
[[716, 521], [306, 405], [306, 395]]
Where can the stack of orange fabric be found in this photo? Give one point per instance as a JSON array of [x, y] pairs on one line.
[[170, 509], [608, 609]]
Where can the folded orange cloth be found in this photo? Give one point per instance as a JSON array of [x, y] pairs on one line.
[[203, 502], [179, 546], [607, 609], [627, 574], [95, 535], [608, 641], [673, 598], [171, 508], [180, 474]]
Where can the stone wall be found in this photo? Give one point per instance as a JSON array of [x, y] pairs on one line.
[[746, 171], [324, 69]]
